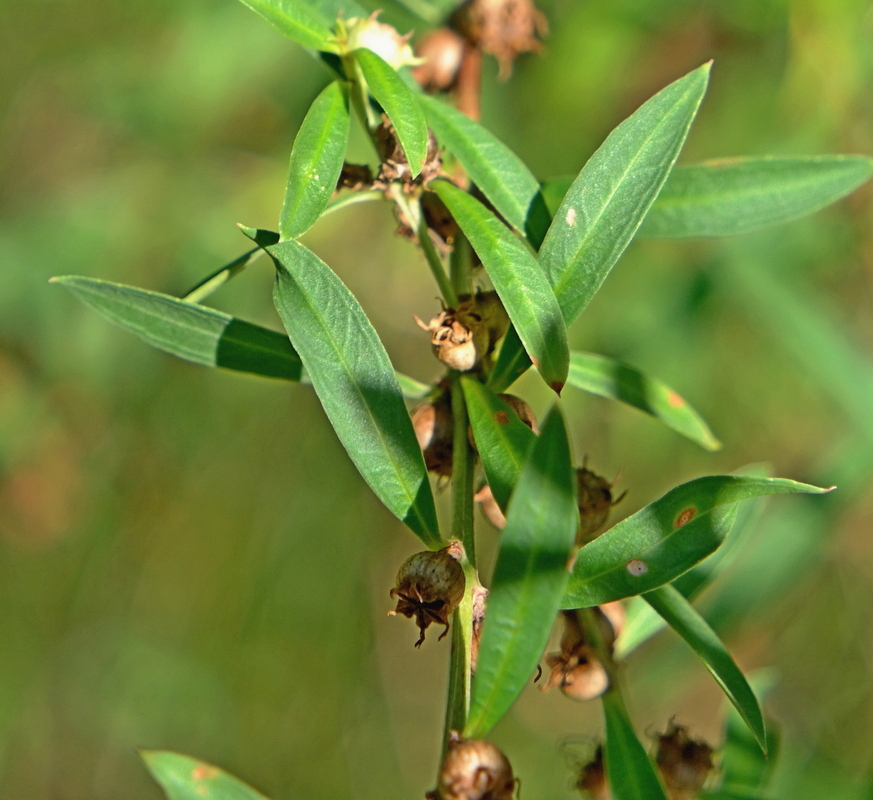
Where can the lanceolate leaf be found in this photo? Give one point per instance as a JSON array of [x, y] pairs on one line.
[[682, 617], [607, 202], [316, 161], [629, 770], [185, 778], [194, 333], [502, 439], [735, 195], [529, 576], [603, 376], [666, 538], [298, 20], [399, 103], [519, 281], [352, 375], [501, 175]]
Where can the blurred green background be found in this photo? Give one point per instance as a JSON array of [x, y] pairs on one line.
[[189, 561]]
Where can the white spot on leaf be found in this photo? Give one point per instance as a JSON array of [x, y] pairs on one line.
[[571, 217], [637, 567]]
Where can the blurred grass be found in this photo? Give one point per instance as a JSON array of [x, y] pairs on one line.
[[188, 560]]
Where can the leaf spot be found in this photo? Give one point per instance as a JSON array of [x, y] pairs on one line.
[[684, 517], [571, 217], [501, 417], [636, 567], [202, 771], [675, 400]]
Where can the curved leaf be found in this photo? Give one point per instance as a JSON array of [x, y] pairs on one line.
[[518, 279], [681, 616], [353, 378], [191, 332], [735, 195], [502, 439], [185, 778], [529, 576], [399, 103], [607, 202], [666, 538], [629, 770], [501, 175], [316, 161], [297, 20], [608, 378]]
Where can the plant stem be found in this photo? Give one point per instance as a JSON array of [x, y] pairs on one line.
[[459, 266], [435, 263]]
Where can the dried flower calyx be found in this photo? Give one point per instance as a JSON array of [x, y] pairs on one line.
[[503, 28], [461, 337], [575, 670], [474, 769], [430, 585], [595, 500], [683, 763]]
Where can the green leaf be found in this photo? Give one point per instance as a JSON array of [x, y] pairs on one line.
[[185, 778], [519, 281], [502, 439], [297, 20], [353, 378], [529, 576], [399, 103], [681, 616], [608, 378], [316, 161], [736, 195], [191, 332], [501, 175], [607, 202], [666, 538], [629, 770]]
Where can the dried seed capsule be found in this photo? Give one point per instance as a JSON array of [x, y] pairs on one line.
[[395, 166], [524, 411], [458, 339], [480, 597], [430, 585], [575, 670], [442, 51], [592, 778], [474, 769], [595, 500], [432, 423], [683, 763], [490, 508], [503, 28]]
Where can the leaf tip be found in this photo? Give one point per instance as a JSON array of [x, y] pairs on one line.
[[557, 387], [250, 232]]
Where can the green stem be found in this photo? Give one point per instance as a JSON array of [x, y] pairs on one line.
[[351, 200], [462, 276]]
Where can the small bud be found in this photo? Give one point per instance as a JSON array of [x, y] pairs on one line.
[[382, 39], [474, 769], [432, 423], [683, 763], [442, 52], [503, 28], [575, 670], [595, 500], [430, 585]]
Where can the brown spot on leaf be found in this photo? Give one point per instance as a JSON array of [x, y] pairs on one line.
[[675, 400], [501, 417], [203, 771], [685, 517]]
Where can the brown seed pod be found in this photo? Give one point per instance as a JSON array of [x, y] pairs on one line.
[[458, 338], [575, 670], [441, 224], [503, 28], [480, 597], [595, 500], [490, 508], [395, 166], [354, 177], [430, 585], [683, 763], [524, 411], [592, 778], [489, 307], [432, 423], [442, 51], [474, 769]]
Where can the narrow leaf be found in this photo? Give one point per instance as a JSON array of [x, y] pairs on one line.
[[666, 538], [608, 378], [520, 282], [353, 378], [681, 616], [629, 770], [297, 20], [529, 576], [607, 202], [191, 332], [502, 439], [185, 778], [316, 161], [399, 103], [736, 195], [501, 175]]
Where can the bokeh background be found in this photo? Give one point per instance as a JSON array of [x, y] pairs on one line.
[[189, 561]]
